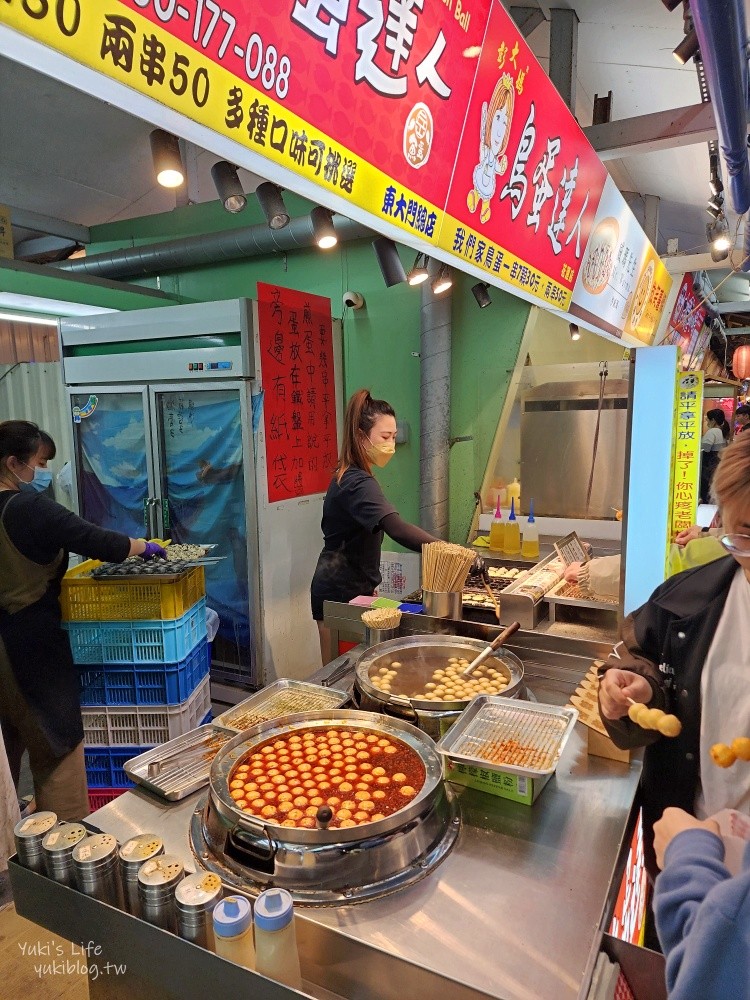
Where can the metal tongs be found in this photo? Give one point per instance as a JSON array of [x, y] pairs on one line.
[[155, 767], [337, 674], [496, 644]]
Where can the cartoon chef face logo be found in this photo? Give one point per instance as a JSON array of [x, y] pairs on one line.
[[688, 381], [418, 134], [497, 117]]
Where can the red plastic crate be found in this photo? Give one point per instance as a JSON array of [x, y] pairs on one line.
[[102, 796]]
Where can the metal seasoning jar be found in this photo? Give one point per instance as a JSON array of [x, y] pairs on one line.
[[29, 834], [97, 872], [157, 881], [58, 847], [195, 898], [134, 853]]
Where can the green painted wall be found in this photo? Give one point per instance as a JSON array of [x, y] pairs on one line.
[[381, 342]]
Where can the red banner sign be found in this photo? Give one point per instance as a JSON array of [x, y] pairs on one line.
[[299, 403], [686, 325]]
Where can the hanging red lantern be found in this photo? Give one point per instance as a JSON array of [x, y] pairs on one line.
[[741, 362]]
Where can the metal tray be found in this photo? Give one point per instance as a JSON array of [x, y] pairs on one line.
[[176, 781], [554, 597], [283, 697], [490, 718]]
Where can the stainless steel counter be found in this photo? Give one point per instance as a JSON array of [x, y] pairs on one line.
[[514, 911]]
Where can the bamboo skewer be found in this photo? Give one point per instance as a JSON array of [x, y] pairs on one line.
[[445, 567]]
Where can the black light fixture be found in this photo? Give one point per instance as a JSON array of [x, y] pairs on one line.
[[165, 153], [228, 187], [481, 292], [715, 204], [714, 180], [418, 273], [323, 231], [687, 48], [390, 263], [575, 333], [671, 4], [271, 201], [717, 234], [443, 281]]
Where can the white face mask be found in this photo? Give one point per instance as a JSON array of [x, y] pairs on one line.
[[381, 453]]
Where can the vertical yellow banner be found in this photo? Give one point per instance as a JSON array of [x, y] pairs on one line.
[[686, 464], [6, 235]]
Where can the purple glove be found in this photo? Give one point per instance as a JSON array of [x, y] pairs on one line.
[[152, 550]]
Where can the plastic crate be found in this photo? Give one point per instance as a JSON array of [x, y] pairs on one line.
[[208, 717], [84, 599], [137, 726], [138, 641], [105, 766], [150, 684], [102, 796]]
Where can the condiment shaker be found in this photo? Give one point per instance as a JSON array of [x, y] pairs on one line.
[[195, 898], [97, 872], [29, 834], [276, 955], [134, 853], [58, 847], [157, 881]]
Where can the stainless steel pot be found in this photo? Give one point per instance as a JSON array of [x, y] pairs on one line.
[[419, 656]]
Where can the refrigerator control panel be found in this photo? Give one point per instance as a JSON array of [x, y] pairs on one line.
[[209, 366]]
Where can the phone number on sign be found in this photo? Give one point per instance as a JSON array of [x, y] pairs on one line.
[[212, 23]]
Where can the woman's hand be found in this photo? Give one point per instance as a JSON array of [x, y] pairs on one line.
[[674, 821], [617, 688], [572, 571], [688, 535]]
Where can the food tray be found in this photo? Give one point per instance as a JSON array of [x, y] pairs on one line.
[[144, 727], [490, 721], [149, 684], [283, 697], [105, 766], [555, 596], [176, 781], [138, 641], [84, 599]]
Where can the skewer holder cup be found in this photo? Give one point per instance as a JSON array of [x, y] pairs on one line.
[[375, 635], [443, 605]]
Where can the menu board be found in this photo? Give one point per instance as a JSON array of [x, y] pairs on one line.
[[686, 327], [299, 402]]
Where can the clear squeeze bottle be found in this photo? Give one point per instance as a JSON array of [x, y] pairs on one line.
[[497, 529], [530, 543], [233, 931], [512, 541], [275, 938]]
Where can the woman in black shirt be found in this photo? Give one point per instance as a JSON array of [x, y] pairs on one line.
[[356, 513], [39, 684]]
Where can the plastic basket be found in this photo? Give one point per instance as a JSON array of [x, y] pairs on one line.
[[150, 684], [208, 717], [136, 726], [105, 766], [84, 599], [138, 641], [102, 796]]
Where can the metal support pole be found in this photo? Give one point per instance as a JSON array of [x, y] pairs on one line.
[[602, 109], [651, 218], [527, 18], [435, 409], [563, 53]]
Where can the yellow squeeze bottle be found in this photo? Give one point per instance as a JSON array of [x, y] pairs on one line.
[[512, 540], [497, 529], [530, 543]]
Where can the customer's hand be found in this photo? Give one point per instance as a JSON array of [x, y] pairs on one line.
[[683, 537], [617, 687], [674, 821], [153, 550], [572, 571]]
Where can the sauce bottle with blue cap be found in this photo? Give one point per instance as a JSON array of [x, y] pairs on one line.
[[275, 938], [233, 931]]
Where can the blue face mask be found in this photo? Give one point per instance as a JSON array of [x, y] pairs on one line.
[[41, 481]]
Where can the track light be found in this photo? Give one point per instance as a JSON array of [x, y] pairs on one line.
[[717, 234], [575, 333], [322, 223], [481, 292], [228, 187], [165, 153], [714, 181], [390, 263], [713, 210], [687, 48], [715, 203], [671, 4], [443, 281], [418, 273], [271, 201]]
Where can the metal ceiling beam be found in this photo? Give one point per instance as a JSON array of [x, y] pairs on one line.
[[43, 245], [39, 223], [648, 133], [563, 53], [723, 308], [737, 331], [527, 18], [694, 262]]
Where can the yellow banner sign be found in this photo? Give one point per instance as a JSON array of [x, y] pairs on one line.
[[686, 465]]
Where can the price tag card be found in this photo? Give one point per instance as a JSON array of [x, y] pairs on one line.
[[570, 549]]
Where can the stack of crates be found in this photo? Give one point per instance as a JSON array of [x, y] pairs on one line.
[[144, 657]]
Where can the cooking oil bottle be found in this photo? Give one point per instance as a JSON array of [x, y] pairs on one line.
[[497, 529], [530, 543], [512, 540]]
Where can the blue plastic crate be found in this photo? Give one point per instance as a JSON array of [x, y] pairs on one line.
[[104, 766], [138, 641], [207, 718], [147, 684]]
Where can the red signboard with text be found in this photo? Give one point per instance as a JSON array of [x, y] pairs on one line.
[[685, 327], [299, 395]]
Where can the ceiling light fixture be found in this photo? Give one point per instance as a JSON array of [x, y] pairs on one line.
[[443, 281], [228, 187], [272, 202], [165, 153], [717, 234], [390, 263], [418, 273], [575, 333], [714, 181], [481, 292], [687, 48], [323, 230], [671, 4]]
